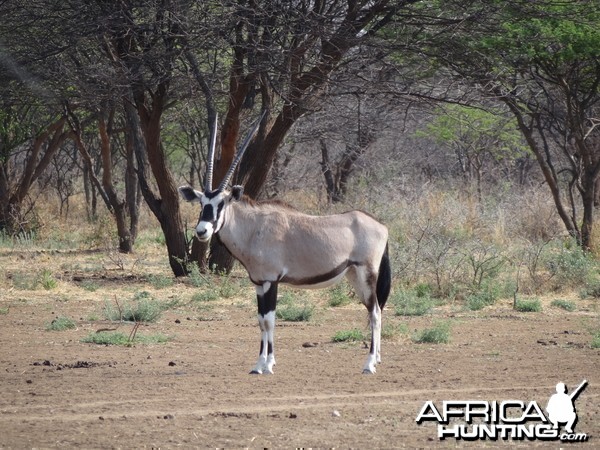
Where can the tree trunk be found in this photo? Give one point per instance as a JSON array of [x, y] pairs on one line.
[[166, 207], [118, 205]]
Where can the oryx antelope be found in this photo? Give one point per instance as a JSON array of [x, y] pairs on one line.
[[278, 244]]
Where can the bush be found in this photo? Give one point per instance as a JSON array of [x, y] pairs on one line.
[[415, 302], [438, 334], [338, 296], [60, 324], [295, 313], [143, 308], [531, 305], [563, 304], [348, 336], [572, 266], [116, 338]]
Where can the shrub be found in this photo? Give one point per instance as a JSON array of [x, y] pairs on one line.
[[563, 304], [571, 266], [61, 323], [438, 334], [205, 296], [411, 302], [160, 281], [116, 338], [143, 308], [348, 335], [595, 340], [295, 313], [530, 305], [46, 280], [338, 296]]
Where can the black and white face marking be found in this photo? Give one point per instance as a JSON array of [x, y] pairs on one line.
[[211, 216], [214, 203]]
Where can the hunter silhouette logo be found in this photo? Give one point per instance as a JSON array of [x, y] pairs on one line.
[[561, 408], [509, 419]]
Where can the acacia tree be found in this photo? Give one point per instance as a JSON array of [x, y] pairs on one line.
[[284, 55], [476, 136], [542, 60]]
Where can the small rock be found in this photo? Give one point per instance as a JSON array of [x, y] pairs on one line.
[[310, 344], [177, 321], [172, 363], [336, 413]]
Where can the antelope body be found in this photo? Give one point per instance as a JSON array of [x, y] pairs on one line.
[[278, 244]]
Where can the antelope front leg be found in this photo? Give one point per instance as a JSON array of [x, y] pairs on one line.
[[266, 295]]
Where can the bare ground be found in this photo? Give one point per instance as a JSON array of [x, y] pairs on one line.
[[195, 390]]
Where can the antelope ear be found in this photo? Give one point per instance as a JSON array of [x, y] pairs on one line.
[[237, 192], [190, 194]]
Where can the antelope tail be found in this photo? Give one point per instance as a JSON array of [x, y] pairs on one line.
[[384, 279]]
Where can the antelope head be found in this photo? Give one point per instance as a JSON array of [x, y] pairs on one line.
[[214, 202]]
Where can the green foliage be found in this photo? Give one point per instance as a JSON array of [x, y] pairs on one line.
[[30, 282], [563, 304], [90, 285], [61, 323], [116, 338], [486, 296], [412, 302], [438, 334], [474, 131], [348, 335], [338, 295], [528, 305], [160, 281], [195, 276], [595, 340], [208, 295], [143, 308], [571, 266], [295, 313], [47, 280]]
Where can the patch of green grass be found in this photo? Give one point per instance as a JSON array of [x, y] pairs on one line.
[[438, 334], [196, 277], [143, 308], [117, 338], [389, 331], [160, 281], [4, 311], [61, 323], [24, 281], [338, 296], [47, 280], [90, 285], [412, 302], [564, 304], [352, 335], [295, 313], [528, 305], [595, 340], [205, 296], [228, 287]]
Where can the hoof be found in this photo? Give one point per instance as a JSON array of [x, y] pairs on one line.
[[255, 372], [368, 371]]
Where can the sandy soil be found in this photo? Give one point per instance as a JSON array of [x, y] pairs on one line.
[[195, 390]]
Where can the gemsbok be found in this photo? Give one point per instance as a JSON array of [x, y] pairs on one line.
[[278, 244]]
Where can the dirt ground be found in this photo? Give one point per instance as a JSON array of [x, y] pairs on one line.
[[195, 390]]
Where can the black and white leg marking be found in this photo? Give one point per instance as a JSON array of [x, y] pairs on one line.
[[266, 295]]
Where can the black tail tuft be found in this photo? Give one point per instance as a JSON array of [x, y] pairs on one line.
[[384, 279]]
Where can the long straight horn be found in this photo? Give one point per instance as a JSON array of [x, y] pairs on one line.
[[240, 153], [211, 156]]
